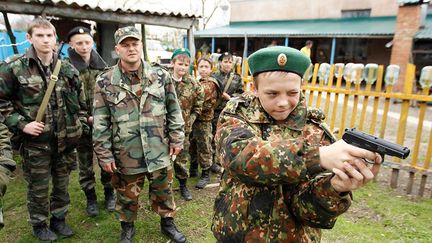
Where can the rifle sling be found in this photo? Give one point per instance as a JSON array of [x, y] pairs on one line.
[[51, 85]]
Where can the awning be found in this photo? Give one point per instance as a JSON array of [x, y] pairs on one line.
[[426, 31], [370, 27]]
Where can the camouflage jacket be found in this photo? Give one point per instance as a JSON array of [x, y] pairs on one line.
[[235, 89], [190, 95], [87, 76], [23, 83], [273, 187], [136, 132], [212, 93]]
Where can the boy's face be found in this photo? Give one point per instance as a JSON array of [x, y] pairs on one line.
[[204, 69], [129, 50], [82, 44], [226, 65], [43, 39], [279, 93], [180, 66]]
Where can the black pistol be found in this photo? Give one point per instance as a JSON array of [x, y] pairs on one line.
[[374, 144]]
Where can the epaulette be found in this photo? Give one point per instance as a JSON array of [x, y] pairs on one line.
[[13, 58], [317, 116], [155, 64], [233, 104]]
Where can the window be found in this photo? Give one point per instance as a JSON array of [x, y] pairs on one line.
[[356, 13]]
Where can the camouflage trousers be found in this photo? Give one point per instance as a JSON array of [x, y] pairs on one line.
[[40, 163], [201, 144], [180, 163], [87, 178], [128, 188]]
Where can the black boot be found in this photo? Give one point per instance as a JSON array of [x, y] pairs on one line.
[[215, 168], [110, 201], [169, 229], [60, 227], [43, 233], [184, 191], [92, 207], [204, 180], [193, 169], [128, 232]]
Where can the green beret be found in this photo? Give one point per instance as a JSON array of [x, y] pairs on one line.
[[278, 58], [181, 51]]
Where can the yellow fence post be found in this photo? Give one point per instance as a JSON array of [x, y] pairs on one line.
[[378, 87], [335, 104], [314, 79]]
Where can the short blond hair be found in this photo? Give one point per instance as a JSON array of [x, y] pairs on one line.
[[280, 74], [40, 23]]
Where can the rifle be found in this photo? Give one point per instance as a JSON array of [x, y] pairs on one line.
[[374, 144]]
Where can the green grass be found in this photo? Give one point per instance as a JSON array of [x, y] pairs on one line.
[[378, 214]]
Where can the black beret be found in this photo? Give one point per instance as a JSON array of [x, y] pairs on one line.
[[225, 54], [278, 58], [78, 30]]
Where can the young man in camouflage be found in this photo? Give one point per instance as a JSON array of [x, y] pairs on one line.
[[283, 178], [232, 86], [89, 64], [47, 146], [137, 129], [7, 164], [190, 95], [202, 133]]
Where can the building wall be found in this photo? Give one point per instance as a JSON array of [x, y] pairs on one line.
[[260, 10]]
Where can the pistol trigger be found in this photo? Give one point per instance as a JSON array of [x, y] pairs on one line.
[[369, 161]]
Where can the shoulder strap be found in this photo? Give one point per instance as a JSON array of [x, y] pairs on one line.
[[228, 83], [52, 83]]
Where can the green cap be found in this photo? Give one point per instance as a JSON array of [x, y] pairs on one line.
[[125, 32], [181, 51], [278, 58]]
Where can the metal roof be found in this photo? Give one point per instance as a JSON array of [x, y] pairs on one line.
[[410, 2], [166, 12], [372, 27]]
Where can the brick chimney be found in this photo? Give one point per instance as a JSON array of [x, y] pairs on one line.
[[408, 23]]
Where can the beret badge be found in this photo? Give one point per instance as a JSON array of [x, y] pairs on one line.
[[282, 59]]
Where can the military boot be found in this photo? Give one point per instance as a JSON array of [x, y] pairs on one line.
[[215, 168], [193, 169], [169, 229], [110, 201], [43, 233], [204, 180], [92, 207], [128, 232], [184, 191], [60, 227]]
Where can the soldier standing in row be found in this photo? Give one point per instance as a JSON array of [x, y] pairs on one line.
[[202, 133], [190, 95], [137, 129], [283, 178], [89, 64], [47, 145], [232, 86], [7, 164]]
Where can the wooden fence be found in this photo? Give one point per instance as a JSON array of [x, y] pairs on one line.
[[354, 95]]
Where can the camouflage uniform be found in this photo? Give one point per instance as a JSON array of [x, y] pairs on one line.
[[87, 77], [235, 89], [7, 164], [136, 131], [202, 133], [22, 86], [190, 95], [273, 188]]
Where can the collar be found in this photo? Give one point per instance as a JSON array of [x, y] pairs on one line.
[[148, 75], [96, 61], [296, 120], [32, 56]]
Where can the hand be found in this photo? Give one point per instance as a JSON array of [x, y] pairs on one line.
[[351, 178], [109, 167], [34, 128], [175, 150], [334, 155], [90, 120], [226, 96]]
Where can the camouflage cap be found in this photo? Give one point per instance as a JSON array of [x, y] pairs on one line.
[[181, 51], [125, 32], [278, 58]]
